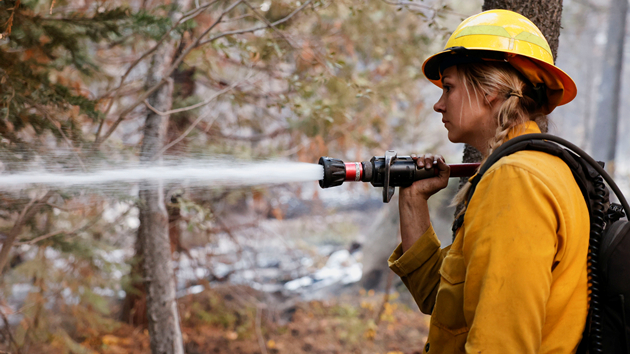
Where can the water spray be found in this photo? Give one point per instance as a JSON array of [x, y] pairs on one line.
[[387, 171]]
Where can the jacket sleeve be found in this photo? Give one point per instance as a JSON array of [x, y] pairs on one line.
[[510, 236], [419, 268]]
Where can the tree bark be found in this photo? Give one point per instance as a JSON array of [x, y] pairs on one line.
[[153, 237], [605, 140], [153, 232], [546, 14]]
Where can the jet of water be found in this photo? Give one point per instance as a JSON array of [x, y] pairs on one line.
[[215, 173]]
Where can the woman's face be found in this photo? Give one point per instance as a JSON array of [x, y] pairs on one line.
[[469, 118]]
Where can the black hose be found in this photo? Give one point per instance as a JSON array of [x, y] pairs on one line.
[[597, 228]]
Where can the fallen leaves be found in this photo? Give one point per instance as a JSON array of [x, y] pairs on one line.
[[341, 326]]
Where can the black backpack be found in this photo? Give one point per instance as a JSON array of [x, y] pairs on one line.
[[608, 326]]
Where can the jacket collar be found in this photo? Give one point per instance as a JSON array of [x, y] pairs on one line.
[[529, 127]]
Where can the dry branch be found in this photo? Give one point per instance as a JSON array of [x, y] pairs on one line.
[[57, 125], [404, 3], [388, 287], [254, 29], [69, 232], [261, 340], [196, 105], [188, 16], [49, 235], [198, 42], [28, 212], [7, 328], [167, 75]]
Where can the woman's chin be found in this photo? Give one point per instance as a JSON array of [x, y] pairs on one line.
[[454, 138]]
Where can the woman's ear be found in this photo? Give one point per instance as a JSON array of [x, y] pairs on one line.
[[491, 97]]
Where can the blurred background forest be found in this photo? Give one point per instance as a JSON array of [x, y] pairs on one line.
[[90, 85]]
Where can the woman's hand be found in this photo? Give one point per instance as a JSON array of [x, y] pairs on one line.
[[425, 188], [412, 201]]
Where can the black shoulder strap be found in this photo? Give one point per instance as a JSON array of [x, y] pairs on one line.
[[581, 169]]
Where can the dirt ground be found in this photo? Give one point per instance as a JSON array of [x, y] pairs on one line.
[[240, 320]]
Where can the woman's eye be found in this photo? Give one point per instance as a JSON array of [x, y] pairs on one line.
[[447, 88]]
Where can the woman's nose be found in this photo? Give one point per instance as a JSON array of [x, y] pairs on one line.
[[439, 105]]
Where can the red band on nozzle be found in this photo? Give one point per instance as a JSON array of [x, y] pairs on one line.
[[354, 171]]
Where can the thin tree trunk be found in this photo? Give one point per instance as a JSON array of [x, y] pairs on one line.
[[605, 140], [546, 14], [153, 237]]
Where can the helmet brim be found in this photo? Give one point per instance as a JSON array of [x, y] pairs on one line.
[[560, 86]]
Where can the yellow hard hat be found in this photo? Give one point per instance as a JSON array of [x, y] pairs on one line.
[[502, 35]]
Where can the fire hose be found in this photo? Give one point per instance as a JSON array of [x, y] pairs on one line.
[[389, 171]]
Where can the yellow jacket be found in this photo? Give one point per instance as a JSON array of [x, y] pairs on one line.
[[514, 280]]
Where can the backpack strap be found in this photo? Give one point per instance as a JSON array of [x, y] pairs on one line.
[[580, 169]]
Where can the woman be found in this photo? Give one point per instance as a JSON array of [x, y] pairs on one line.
[[515, 279]]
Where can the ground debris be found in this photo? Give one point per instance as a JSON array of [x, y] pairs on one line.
[[225, 321]]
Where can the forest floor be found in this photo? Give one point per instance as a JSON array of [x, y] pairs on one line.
[[232, 320]]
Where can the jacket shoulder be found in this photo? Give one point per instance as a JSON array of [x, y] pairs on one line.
[[540, 164]]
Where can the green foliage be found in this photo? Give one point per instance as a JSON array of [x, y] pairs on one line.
[[41, 50]]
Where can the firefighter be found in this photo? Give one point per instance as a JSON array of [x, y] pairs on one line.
[[515, 278]]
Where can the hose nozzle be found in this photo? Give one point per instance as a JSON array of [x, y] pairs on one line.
[[334, 172], [387, 171]]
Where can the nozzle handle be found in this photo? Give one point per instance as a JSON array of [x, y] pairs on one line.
[[388, 191], [463, 169]]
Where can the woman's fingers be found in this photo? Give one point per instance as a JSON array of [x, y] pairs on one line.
[[443, 169], [427, 161], [426, 187]]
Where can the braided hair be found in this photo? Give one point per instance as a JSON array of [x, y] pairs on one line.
[[518, 105]]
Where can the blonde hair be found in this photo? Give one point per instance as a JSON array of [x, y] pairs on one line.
[[517, 107]]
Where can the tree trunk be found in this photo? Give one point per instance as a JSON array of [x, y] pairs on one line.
[[605, 141], [153, 232], [546, 14], [153, 237], [378, 247]]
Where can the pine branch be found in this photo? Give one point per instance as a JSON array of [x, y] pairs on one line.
[[7, 31]]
